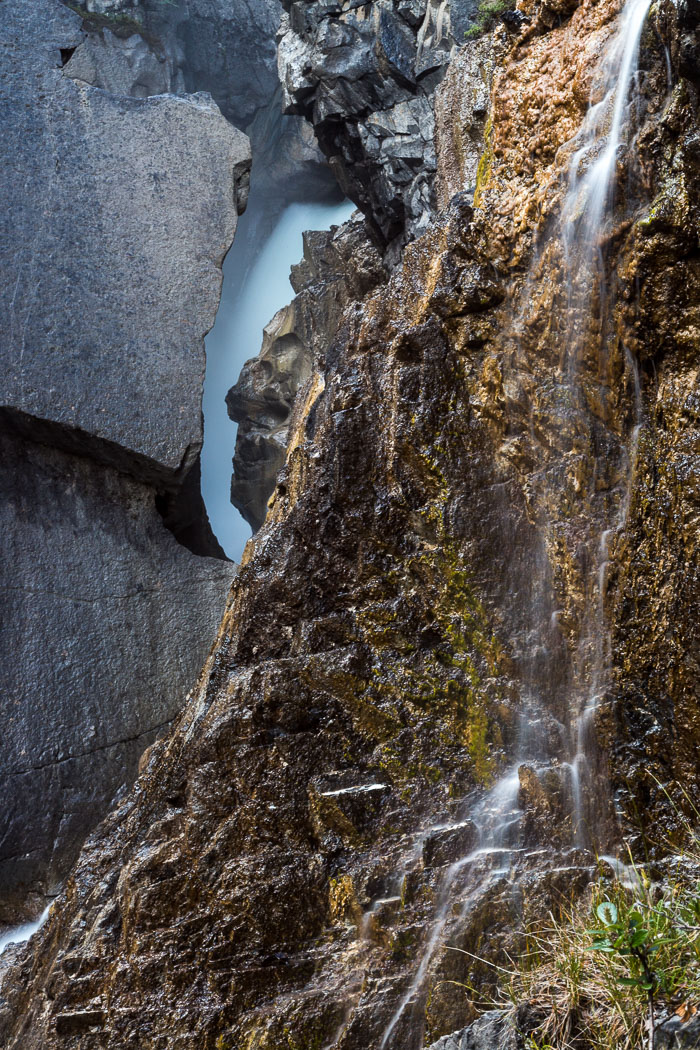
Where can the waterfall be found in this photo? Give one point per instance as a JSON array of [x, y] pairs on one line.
[[22, 933], [577, 236], [587, 213], [494, 818], [588, 203]]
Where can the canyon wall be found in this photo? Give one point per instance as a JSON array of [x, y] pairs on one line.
[[479, 518], [118, 211]]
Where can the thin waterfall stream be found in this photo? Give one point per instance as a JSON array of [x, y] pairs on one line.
[[586, 213], [20, 934]]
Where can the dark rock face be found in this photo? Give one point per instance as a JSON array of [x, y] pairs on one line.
[[493, 1031], [423, 579], [675, 1035], [117, 213], [364, 76], [339, 267], [106, 622]]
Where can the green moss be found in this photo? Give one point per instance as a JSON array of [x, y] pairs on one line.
[[119, 23], [403, 945], [483, 170], [308, 1038]]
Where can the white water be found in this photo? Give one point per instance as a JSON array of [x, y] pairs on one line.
[[593, 168], [23, 933], [586, 215], [494, 816], [253, 291], [587, 209]]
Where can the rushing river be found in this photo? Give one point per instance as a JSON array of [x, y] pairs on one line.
[[256, 285]]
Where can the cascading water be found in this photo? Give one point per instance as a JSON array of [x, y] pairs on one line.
[[493, 818], [22, 933], [588, 204], [585, 216]]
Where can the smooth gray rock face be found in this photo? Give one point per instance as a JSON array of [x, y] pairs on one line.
[[117, 212], [225, 47], [124, 66], [229, 50], [105, 623]]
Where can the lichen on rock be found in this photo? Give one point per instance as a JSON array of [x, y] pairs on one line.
[[428, 578]]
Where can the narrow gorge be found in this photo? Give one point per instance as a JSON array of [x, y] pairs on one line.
[[447, 716]]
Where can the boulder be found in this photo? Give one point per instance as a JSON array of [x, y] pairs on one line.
[[495, 1030], [675, 1034]]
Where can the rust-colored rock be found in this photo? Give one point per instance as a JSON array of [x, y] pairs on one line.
[[427, 574]]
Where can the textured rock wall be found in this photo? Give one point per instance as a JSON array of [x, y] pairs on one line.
[[364, 76], [339, 266], [106, 621], [225, 49], [117, 212], [426, 569]]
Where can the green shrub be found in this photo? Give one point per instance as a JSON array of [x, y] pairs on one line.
[[603, 987], [487, 17]]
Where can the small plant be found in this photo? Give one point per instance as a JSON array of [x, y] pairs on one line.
[[487, 16], [608, 994], [631, 937], [604, 986]]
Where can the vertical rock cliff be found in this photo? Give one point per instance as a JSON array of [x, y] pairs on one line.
[[118, 211], [470, 614]]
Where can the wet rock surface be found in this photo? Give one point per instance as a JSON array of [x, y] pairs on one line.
[[426, 576], [462, 105]]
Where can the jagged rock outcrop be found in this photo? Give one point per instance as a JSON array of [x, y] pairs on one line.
[[495, 1030], [144, 47], [364, 76], [118, 212], [426, 581], [339, 267]]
